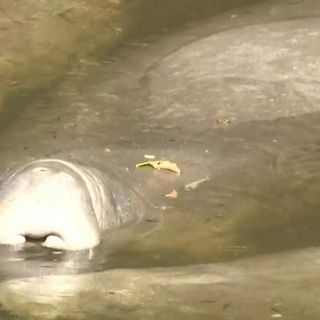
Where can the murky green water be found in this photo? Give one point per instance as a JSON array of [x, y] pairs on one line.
[[239, 112]]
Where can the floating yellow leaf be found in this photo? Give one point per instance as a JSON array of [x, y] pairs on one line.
[[160, 165], [172, 195]]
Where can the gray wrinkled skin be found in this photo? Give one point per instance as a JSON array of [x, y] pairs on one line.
[[65, 205]]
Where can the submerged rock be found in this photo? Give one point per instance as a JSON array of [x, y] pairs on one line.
[[41, 40]]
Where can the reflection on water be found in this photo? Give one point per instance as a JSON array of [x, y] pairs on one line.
[[258, 170]]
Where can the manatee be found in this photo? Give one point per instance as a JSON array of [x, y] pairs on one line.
[[63, 205]]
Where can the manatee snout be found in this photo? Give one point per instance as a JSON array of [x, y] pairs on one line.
[[61, 204]]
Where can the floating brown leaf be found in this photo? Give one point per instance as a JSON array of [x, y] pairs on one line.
[[172, 195]]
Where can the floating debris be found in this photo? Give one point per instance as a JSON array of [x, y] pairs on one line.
[[149, 156], [236, 248], [172, 195], [194, 184], [161, 165], [223, 120], [107, 150], [276, 311]]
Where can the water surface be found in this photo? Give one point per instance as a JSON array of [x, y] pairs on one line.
[[238, 110]]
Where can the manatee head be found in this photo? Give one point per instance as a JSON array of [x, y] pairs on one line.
[[51, 201]]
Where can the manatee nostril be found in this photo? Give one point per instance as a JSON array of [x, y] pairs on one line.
[[40, 238], [31, 238]]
